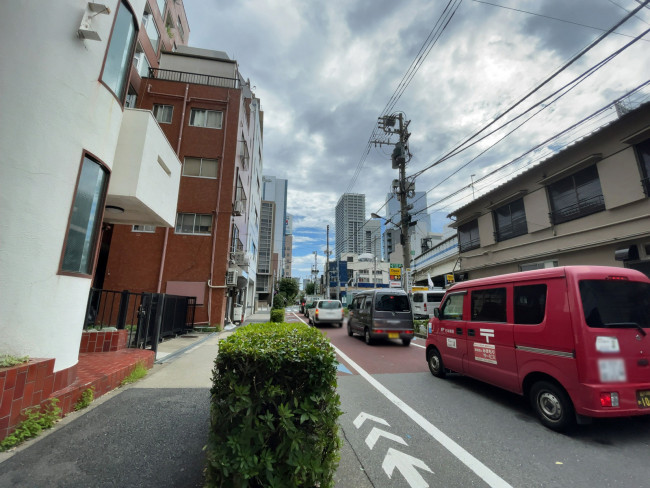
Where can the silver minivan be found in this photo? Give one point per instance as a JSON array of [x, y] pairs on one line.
[[381, 314], [425, 302]]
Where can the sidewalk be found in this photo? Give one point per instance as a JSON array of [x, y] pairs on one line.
[[150, 433]]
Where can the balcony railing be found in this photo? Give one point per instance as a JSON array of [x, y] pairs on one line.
[[583, 208], [194, 78], [516, 228], [470, 244]]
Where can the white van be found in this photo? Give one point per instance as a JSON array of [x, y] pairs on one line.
[[425, 301]]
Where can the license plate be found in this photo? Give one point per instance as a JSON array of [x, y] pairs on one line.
[[643, 398], [393, 335]]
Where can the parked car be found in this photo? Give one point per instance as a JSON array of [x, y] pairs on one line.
[[311, 303], [574, 340], [425, 302], [384, 314], [326, 312]]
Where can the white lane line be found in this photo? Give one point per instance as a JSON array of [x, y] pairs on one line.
[[418, 345], [481, 470]]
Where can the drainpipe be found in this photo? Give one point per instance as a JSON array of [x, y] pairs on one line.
[[216, 216], [178, 152]]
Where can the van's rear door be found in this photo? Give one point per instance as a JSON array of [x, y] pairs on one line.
[[392, 312]]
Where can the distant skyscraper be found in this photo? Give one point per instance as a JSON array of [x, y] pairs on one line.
[[288, 245], [350, 217], [372, 238], [275, 190]]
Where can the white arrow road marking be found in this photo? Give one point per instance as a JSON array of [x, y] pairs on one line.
[[406, 465], [376, 433], [361, 418]]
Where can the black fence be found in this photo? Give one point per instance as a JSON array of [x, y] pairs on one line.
[[149, 317], [193, 78]]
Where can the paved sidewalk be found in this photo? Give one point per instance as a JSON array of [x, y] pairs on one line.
[[147, 434]]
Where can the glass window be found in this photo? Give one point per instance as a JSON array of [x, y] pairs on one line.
[[468, 237], [120, 52], [190, 223], [452, 309], [615, 303], [643, 153], [329, 304], [510, 220], [143, 228], [392, 303], [161, 6], [489, 305], [163, 113], [576, 196], [418, 298], [206, 118], [205, 168], [530, 304], [179, 24], [87, 208]]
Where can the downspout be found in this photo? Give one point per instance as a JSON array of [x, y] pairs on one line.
[[216, 216], [178, 152]]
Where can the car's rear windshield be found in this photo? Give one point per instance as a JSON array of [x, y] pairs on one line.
[[329, 304], [615, 303], [392, 303]]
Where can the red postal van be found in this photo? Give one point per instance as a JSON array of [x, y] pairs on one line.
[[574, 340]]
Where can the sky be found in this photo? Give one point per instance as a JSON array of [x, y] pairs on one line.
[[325, 71]]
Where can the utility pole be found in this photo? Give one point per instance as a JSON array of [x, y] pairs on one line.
[[327, 264], [402, 188]]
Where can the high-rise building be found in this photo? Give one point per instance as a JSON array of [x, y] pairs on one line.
[[372, 238], [350, 219], [265, 256], [274, 191], [288, 246]]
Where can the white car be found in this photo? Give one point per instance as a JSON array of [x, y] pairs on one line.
[[326, 312]]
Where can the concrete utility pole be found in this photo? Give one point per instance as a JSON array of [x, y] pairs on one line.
[[402, 188], [327, 264]]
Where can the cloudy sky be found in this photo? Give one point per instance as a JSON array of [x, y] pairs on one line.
[[326, 70]]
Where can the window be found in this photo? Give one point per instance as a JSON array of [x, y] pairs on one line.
[[151, 28], [85, 221], [468, 237], [163, 113], [616, 303], [418, 298], [143, 228], [510, 220], [576, 196], [202, 167], [206, 118], [120, 52], [161, 6], [489, 305], [141, 62], [190, 223], [643, 153], [452, 309], [392, 303], [538, 265], [131, 98], [530, 304]]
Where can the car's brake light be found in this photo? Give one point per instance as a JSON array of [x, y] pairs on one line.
[[425, 307], [620, 278], [609, 399]]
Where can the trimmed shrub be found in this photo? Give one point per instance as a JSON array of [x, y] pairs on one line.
[[274, 409], [279, 301], [277, 315]]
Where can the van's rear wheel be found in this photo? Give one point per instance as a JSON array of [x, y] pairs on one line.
[[435, 363], [552, 405], [366, 336]]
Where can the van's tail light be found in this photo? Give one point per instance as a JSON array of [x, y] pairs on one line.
[[609, 399], [623, 278], [316, 312], [425, 307]]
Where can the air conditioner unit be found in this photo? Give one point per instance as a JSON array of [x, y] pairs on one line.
[[231, 277], [238, 207], [242, 258]]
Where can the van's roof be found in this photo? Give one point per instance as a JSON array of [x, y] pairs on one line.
[[577, 272], [387, 291]]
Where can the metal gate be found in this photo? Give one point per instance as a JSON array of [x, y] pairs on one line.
[[149, 317]]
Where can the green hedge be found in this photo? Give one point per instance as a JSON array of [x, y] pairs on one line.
[[277, 315], [274, 409]]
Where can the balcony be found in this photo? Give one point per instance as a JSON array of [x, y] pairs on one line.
[[577, 210], [146, 174], [193, 78]]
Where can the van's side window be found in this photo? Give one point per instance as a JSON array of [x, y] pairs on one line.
[[530, 304], [452, 309], [489, 305], [367, 303]]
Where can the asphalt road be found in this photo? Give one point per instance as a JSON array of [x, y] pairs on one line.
[[409, 429]]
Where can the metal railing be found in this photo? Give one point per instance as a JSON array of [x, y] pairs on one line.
[[193, 78], [577, 210], [148, 317], [469, 244], [515, 228]]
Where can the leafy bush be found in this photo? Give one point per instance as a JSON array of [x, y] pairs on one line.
[[277, 315], [87, 397], [139, 371], [7, 360], [34, 422], [279, 301], [274, 409]]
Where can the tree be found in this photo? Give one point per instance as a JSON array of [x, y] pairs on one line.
[[289, 288], [310, 288]]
